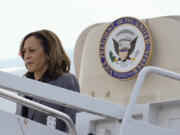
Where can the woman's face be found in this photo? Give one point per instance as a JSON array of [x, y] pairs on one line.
[[35, 58]]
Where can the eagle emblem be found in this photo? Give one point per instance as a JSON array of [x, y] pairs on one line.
[[124, 48]]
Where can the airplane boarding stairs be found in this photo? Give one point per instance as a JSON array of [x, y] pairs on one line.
[[97, 116]]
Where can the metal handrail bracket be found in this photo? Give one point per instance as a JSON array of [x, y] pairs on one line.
[[137, 88], [42, 108]]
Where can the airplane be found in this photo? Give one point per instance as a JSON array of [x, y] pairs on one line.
[[124, 91]]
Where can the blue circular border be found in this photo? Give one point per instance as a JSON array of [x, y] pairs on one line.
[[147, 53]]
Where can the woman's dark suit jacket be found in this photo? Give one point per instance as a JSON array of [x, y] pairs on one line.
[[65, 80]]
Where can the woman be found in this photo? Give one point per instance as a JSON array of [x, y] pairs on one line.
[[46, 61]]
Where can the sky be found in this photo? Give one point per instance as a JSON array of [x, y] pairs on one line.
[[68, 18]]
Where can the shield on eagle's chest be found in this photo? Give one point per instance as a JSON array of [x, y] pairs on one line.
[[123, 53]]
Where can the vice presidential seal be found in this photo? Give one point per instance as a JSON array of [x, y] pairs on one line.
[[125, 47]]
